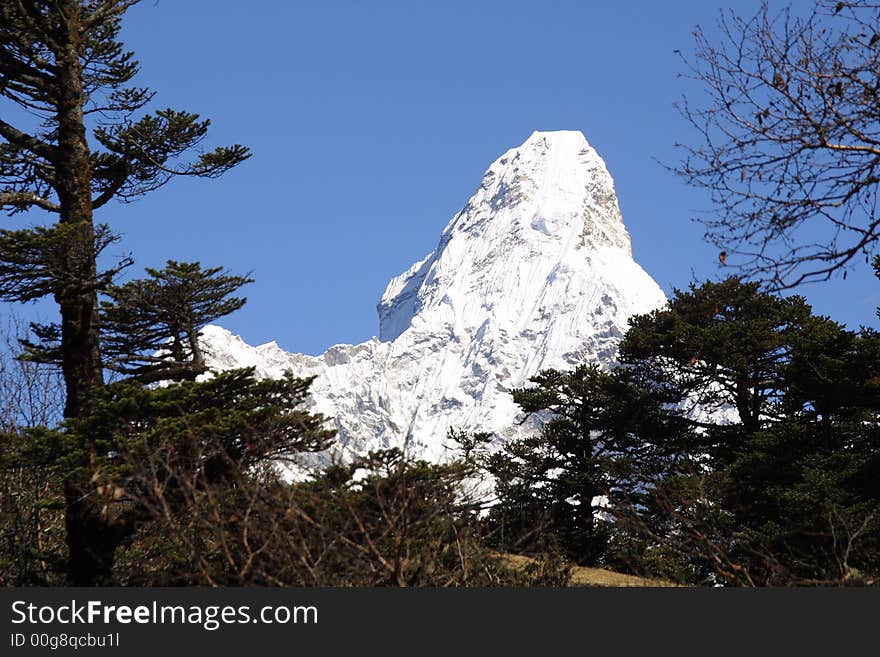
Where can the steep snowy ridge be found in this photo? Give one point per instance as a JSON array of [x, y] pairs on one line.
[[536, 271]]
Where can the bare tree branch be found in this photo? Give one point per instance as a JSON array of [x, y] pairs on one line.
[[24, 200], [789, 139]]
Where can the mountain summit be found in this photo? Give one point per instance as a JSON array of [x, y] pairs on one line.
[[536, 271]]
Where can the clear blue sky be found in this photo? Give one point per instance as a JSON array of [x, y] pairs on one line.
[[372, 122]]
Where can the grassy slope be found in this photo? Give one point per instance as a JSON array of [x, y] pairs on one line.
[[583, 576]]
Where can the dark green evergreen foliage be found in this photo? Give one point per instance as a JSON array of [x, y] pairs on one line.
[[771, 495], [559, 488], [33, 261], [143, 452], [151, 326], [718, 345], [139, 455], [231, 421], [128, 441], [63, 62], [551, 486], [128, 157], [806, 506], [138, 155], [736, 442]]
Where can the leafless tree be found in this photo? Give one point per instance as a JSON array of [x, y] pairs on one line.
[[788, 138], [30, 395], [384, 520], [31, 519]]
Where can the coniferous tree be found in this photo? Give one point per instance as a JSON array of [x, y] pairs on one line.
[[719, 345], [62, 62], [150, 327], [138, 454], [557, 485], [782, 407], [156, 451], [736, 442]]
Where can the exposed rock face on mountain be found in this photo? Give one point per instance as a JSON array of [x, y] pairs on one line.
[[536, 271]]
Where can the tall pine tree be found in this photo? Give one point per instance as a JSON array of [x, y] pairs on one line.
[[736, 442], [62, 61]]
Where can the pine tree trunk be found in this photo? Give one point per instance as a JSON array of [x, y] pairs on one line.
[[91, 543], [81, 358], [90, 552]]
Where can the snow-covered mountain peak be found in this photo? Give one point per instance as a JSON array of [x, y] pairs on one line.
[[554, 181], [536, 204], [534, 272]]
